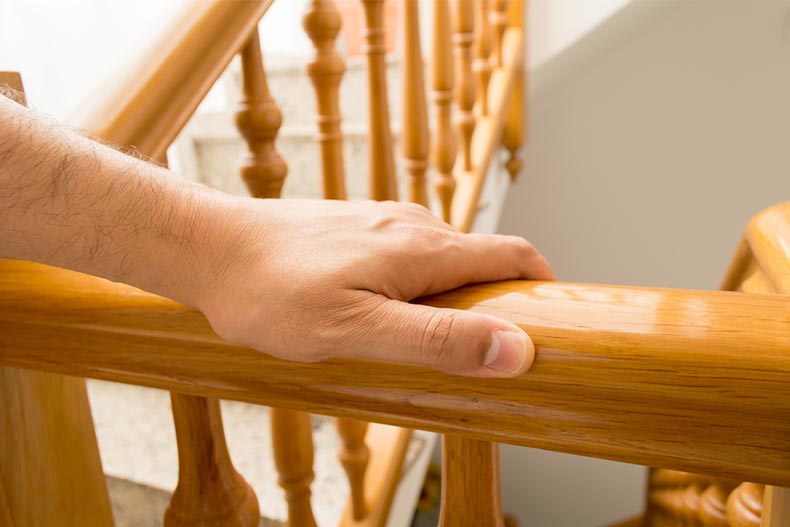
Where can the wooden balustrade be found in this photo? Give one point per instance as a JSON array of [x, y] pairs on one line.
[[292, 443], [210, 492], [499, 21], [322, 23], [354, 456], [713, 504], [744, 506], [415, 140], [383, 185], [443, 145], [482, 53], [463, 36], [513, 136]]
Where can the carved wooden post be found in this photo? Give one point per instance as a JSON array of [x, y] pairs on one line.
[[482, 49], [259, 119], [713, 504], [513, 136], [383, 185], [470, 483], [463, 35], [443, 147], [264, 171], [292, 443], [499, 25], [210, 492], [322, 23], [354, 456], [745, 505], [415, 119]]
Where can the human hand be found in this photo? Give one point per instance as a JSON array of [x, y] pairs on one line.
[[310, 280]]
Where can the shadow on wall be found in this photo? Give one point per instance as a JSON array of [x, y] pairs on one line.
[[653, 140]]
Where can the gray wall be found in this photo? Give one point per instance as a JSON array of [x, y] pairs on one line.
[[645, 162]]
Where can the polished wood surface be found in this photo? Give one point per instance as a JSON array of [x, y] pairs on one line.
[[443, 147], [744, 506], [415, 140], [470, 483], [210, 493], [499, 23], [258, 118], [354, 456], [322, 24], [50, 470], [488, 131], [776, 507], [463, 36], [151, 100], [292, 443], [482, 53], [388, 447], [514, 134], [649, 376], [383, 185]]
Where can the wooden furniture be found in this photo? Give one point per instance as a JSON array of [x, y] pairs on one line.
[[689, 381]]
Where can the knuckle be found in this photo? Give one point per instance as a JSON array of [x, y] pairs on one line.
[[436, 341]]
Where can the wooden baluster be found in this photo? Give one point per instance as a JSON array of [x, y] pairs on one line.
[[383, 185], [776, 507], [354, 456], [713, 504], [513, 136], [210, 492], [322, 23], [689, 505], [470, 483], [745, 505], [443, 148], [415, 119], [482, 49], [463, 35], [259, 119], [264, 171], [292, 443], [499, 22]]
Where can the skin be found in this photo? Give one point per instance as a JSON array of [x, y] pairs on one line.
[[299, 279]]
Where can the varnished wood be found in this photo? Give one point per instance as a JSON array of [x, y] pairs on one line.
[[470, 483], [151, 100], [482, 53], [744, 506], [443, 148], [675, 365], [50, 470], [776, 507], [383, 185], [354, 456], [388, 447], [713, 504], [259, 119], [210, 493], [463, 35], [322, 23], [488, 131], [499, 23], [292, 442], [415, 140], [513, 136]]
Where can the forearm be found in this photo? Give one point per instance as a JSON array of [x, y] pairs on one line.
[[71, 202]]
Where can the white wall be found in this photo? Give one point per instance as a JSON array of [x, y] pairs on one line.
[[645, 162]]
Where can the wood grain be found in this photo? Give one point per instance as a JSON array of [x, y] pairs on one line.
[[151, 100], [692, 380]]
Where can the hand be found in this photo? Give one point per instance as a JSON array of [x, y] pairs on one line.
[[310, 280]]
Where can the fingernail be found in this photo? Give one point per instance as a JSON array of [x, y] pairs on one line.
[[509, 352]]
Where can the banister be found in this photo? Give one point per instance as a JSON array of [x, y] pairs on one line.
[[690, 380], [151, 101]]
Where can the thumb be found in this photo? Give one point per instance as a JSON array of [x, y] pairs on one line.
[[455, 341]]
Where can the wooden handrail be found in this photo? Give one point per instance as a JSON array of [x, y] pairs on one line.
[[691, 380], [148, 105]]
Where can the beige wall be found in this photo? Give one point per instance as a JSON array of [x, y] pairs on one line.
[[646, 160]]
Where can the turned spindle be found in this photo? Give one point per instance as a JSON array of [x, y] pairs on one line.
[[745, 505], [354, 456], [482, 54], [259, 119], [210, 493], [292, 444], [415, 140], [383, 185], [498, 18], [322, 24], [443, 147], [713, 504], [470, 483], [513, 136], [463, 36]]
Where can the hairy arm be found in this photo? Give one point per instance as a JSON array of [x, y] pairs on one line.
[[302, 280]]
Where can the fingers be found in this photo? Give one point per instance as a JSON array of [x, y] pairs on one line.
[[455, 341]]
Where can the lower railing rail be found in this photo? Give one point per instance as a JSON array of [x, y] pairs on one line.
[[690, 380]]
